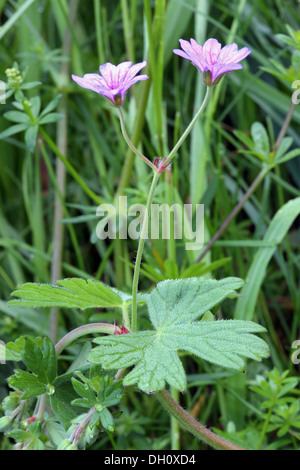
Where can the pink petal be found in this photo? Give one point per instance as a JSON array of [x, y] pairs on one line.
[[186, 46], [121, 73], [219, 69], [240, 55], [108, 71], [135, 69], [211, 51], [85, 83], [137, 79], [196, 47], [227, 52], [181, 53]]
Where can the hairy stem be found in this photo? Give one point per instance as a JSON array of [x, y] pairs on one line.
[[284, 127], [164, 164], [138, 261], [135, 137], [130, 144], [77, 433], [192, 425], [82, 331], [190, 126]]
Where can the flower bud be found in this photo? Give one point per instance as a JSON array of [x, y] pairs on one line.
[[4, 422], [14, 77], [64, 445]]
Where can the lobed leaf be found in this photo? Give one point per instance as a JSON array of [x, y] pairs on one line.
[[70, 293], [184, 300], [30, 383], [42, 362], [173, 307]]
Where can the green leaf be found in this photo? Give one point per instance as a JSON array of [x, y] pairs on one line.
[[52, 117], [23, 380], [283, 147], [17, 116], [173, 308], [50, 106], [287, 40], [41, 362], [13, 130], [60, 403], [288, 156], [184, 300], [30, 85], [14, 349], [244, 138], [30, 137], [84, 391], [71, 293], [107, 420], [29, 437], [260, 139], [35, 105], [199, 269], [111, 392], [277, 230], [171, 269]]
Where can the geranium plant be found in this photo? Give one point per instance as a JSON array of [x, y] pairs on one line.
[[180, 314]]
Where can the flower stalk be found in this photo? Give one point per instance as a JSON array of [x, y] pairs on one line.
[[130, 144], [138, 261]]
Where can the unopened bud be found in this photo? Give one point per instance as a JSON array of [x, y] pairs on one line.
[[4, 422], [14, 77], [64, 445]]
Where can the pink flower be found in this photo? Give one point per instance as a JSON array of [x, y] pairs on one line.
[[114, 80], [212, 60]]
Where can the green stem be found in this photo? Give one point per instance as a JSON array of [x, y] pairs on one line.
[[140, 252], [135, 137], [81, 426], [190, 126], [264, 428], [125, 316], [193, 426], [284, 127], [130, 144], [82, 331], [165, 162]]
